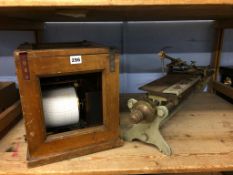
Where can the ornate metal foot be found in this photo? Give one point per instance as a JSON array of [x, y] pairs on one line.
[[149, 132]]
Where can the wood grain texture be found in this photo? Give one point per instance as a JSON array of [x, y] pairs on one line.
[[48, 61], [9, 117], [52, 11], [10, 108], [32, 3], [200, 135]]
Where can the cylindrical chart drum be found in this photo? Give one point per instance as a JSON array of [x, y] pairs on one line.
[[60, 106]]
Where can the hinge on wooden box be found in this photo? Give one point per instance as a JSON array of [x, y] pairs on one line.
[[112, 60], [24, 65]]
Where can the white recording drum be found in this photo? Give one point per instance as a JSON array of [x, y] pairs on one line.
[[60, 106]]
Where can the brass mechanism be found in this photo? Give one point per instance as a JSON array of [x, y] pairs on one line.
[[163, 98], [147, 118], [141, 110]]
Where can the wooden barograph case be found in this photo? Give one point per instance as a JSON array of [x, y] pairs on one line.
[[70, 99]]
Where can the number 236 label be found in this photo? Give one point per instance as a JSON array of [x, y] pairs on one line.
[[75, 59]]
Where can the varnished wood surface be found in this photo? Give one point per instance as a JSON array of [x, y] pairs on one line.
[[42, 149], [200, 135], [54, 61]]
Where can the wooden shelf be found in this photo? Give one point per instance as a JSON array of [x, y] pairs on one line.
[[200, 135], [38, 3], [116, 10]]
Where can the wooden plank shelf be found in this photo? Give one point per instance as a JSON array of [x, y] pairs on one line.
[[115, 10], [200, 135], [38, 3]]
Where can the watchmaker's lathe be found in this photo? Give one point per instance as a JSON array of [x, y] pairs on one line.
[[162, 100]]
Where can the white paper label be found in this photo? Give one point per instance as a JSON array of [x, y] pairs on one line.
[[76, 59]]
